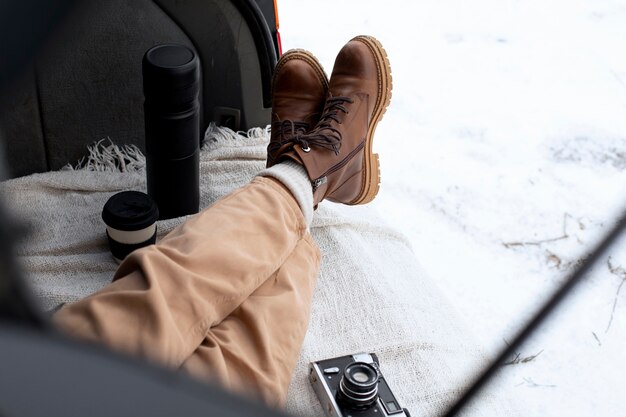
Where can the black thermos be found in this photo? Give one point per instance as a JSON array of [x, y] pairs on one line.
[[171, 84]]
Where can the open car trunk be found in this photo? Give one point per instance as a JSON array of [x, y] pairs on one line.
[[86, 84]]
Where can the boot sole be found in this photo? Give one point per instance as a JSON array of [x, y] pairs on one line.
[[371, 165], [309, 58]]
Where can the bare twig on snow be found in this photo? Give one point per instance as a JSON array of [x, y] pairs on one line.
[[530, 383], [565, 235], [519, 359], [619, 272]]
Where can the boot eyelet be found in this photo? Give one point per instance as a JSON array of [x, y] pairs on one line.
[[306, 149]]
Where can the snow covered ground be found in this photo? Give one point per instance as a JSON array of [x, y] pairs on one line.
[[503, 159]]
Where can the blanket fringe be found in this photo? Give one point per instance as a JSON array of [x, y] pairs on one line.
[[106, 156], [216, 136]]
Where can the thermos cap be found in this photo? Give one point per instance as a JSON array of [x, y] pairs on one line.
[[169, 56], [130, 211], [171, 75]]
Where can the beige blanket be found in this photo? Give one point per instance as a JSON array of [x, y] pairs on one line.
[[371, 296]]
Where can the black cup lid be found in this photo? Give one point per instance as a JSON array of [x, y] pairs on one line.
[[130, 210]]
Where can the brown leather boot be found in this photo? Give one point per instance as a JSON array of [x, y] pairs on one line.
[[299, 90], [337, 154]]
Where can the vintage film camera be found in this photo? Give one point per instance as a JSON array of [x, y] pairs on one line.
[[351, 386]]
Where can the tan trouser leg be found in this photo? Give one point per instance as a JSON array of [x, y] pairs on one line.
[[165, 298], [255, 349]]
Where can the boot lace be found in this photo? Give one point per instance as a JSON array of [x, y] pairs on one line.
[[288, 128], [324, 136], [284, 130]]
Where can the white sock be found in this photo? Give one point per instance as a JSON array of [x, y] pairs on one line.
[[295, 178]]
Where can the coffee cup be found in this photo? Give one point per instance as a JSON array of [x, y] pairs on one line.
[[130, 218]]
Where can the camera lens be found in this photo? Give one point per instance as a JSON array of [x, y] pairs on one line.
[[358, 387]]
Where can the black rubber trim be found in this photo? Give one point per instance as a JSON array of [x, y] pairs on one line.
[[264, 42]]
